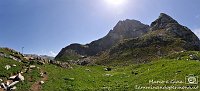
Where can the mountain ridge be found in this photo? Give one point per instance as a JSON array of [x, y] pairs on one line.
[[123, 30], [164, 35]]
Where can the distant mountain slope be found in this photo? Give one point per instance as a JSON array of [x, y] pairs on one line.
[[123, 30], [10, 53], [165, 36], [38, 56]]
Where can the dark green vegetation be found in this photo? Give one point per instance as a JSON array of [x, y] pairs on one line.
[[122, 78], [174, 67]]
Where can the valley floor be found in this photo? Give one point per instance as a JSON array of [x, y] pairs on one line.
[[124, 78], [175, 73]]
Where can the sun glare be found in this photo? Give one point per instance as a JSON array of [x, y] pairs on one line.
[[115, 2]]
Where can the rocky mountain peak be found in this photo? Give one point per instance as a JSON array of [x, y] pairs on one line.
[[128, 21], [166, 27], [162, 22], [128, 29], [126, 25]]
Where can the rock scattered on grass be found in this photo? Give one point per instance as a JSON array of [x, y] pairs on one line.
[[13, 83], [21, 77], [41, 82], [87, 69], [14, 88], [194, 57], [7, 67], [12, 77], [108, 75], [108, 69], [71, 79], [13, 80], [32, 66], [42, 74]]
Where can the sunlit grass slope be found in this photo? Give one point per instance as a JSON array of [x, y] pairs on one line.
[[120, 78]]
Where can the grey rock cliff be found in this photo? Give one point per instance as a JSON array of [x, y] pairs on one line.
[[123, 30]]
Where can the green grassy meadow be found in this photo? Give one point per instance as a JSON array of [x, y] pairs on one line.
[[124, 78], [173, 68]]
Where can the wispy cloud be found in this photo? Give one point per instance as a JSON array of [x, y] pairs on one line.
[[51, 53], [197, 32]]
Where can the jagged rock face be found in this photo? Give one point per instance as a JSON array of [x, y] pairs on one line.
[[162, 21], [123, 30], [72, 51], [165, 36], [172, 28], [128, 29]]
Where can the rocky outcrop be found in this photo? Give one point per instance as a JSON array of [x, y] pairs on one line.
[[11, 54], [16, 58], [37, 58], [133, 41], [165, 36], [61, 64], [171, 27], [162, 22], [123, 30], [13, 80]]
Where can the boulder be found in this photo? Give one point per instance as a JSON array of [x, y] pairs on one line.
[[13, 83], [108, 75], [3, 85], [32, 66], [64, 64], [41, 82], [12, 77], [7, 67], [194, 57], [13, 88], [24, 70], [19, 77], [71, 79], [14, 65], [7, 83], [108, 69], [41, 74], [84, 63]]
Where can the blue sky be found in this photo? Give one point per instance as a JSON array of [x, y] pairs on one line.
[[46, 26]]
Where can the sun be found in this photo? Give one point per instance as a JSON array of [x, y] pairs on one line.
[[115, 2]]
